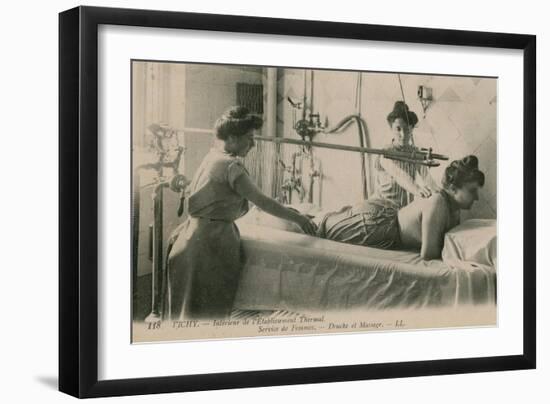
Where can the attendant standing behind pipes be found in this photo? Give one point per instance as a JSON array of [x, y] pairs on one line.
[[400, 181], [204, 261]]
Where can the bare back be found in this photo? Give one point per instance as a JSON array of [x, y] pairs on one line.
[[424, 222]]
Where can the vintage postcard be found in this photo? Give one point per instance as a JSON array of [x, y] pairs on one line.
[[276, 201]]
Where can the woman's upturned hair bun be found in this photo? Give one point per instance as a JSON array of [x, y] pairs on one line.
[[462, 171], [401, 110], [236, 121]]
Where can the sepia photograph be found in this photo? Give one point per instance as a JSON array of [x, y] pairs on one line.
[[273, 201]]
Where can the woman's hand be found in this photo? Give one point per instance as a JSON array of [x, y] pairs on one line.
[[246, 188], [307, 225], [423, 192]]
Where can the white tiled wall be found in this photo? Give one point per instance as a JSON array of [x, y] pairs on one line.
[[461, 120]]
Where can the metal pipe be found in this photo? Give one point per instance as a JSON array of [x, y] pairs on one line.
[[136, 195], [271, 121], [150, 242], [363, 142], [196, 130], [317, 144], [271, 107], [157, 273], [384, 152], [311, 85], [304, 100]]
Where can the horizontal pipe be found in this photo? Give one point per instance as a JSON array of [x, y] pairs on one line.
[[322, 145], [346, 148], [314, 144]]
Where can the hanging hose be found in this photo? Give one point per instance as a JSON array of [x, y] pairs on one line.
[[344, 123], [367, 145]]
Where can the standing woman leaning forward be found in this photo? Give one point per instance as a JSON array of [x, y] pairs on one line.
[[400, 181], [205, 258]]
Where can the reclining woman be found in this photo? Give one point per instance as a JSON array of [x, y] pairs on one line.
[[420, 225]]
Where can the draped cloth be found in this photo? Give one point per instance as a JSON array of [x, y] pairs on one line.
[[204, 254]]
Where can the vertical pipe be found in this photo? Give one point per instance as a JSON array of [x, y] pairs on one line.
[[157, 249], [271, 110], [271, 126], [305, 96], [135, 238], [155, 93], [143, 118], [311, 85], [166, 87], [156, 278], [366, 165], [311, 111], [150, 243], [147, 103]]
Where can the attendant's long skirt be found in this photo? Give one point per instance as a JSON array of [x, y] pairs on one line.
[[203, 270]]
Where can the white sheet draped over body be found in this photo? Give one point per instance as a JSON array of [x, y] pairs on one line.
[[287, 270]]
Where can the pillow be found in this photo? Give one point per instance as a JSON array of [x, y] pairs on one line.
[[474, 240], [258, 217]]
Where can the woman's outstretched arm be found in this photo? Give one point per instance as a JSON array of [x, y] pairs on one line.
[[403, 179], [248, 190]]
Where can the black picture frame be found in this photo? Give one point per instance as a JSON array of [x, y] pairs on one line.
[[78, 201]]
